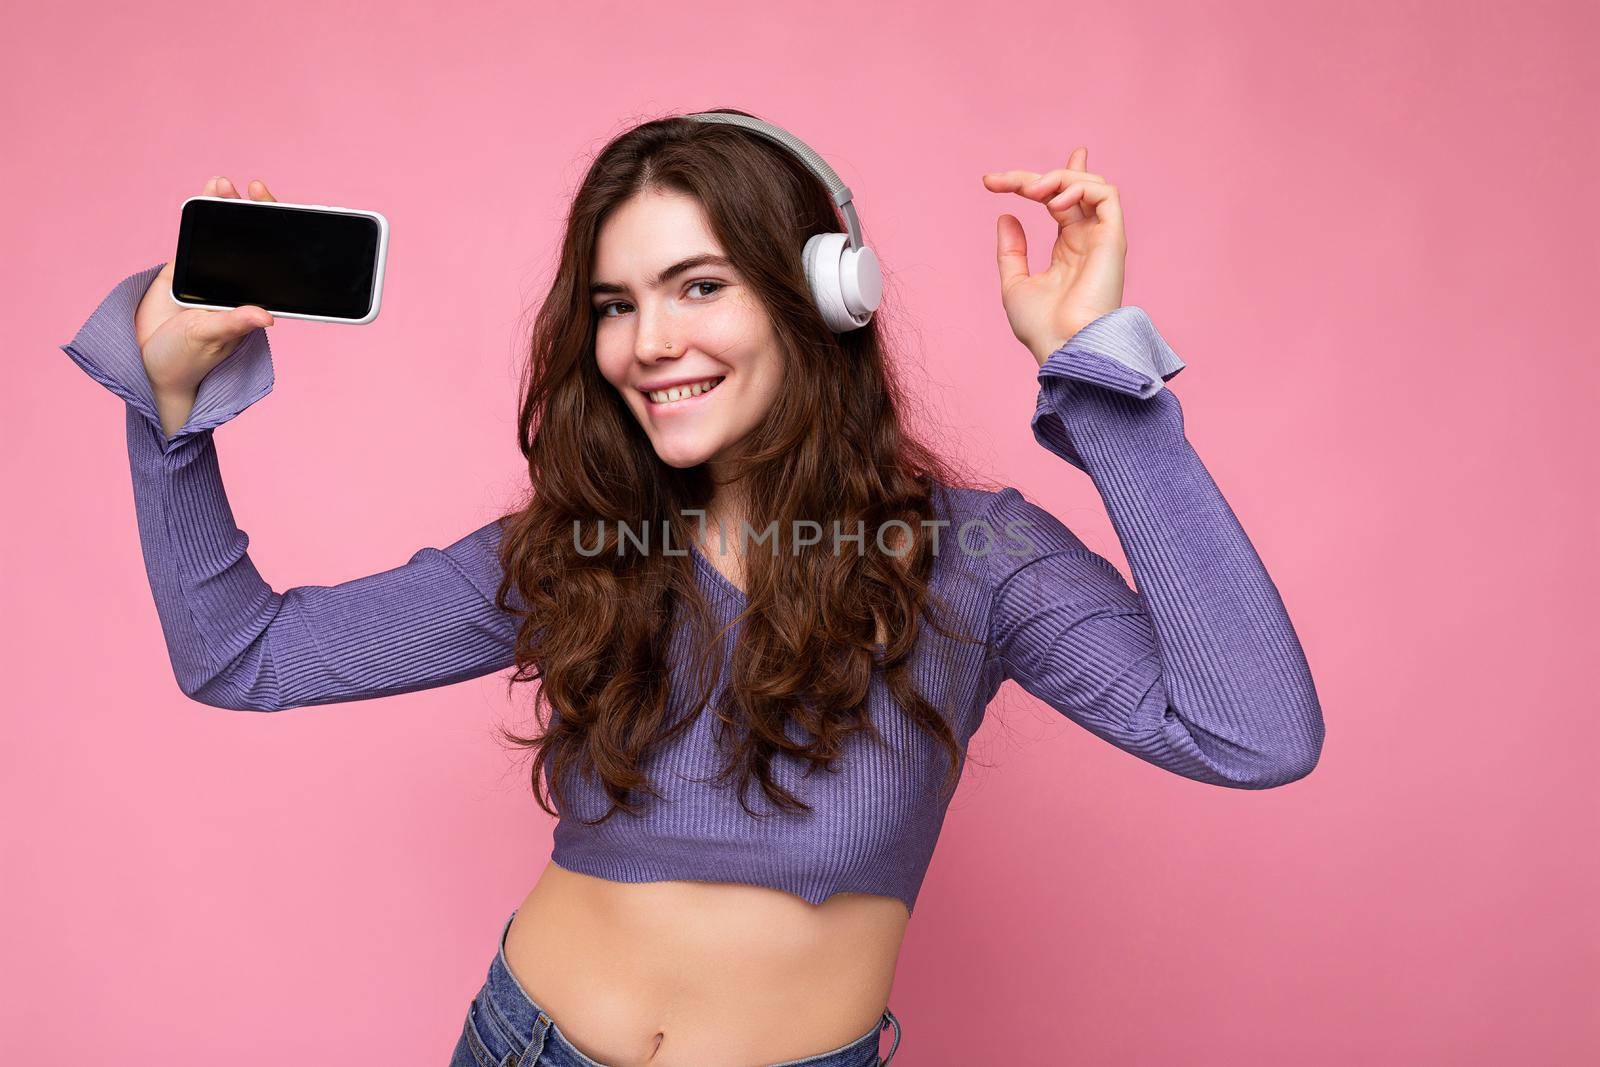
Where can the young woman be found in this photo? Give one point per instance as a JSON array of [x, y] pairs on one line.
[[750, 743]]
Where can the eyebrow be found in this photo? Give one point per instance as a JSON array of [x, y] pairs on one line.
[[705, 259]]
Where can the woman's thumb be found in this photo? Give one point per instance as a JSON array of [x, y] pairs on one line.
[[1011, 251], [256, 317], [225, 327]]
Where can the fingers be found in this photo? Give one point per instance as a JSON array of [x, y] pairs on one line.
[[222, 186], [1049, 185], [1071, 193], [1052, 184], [1091, 198], [1077, 161], [1014, 181]]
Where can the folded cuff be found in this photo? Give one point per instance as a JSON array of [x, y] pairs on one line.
[[107, 349], [1121, 351]]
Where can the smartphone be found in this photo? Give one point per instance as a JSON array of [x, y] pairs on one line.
[[299, 261]]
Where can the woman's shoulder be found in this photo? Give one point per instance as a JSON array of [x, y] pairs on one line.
[[971, 523], [958, 504], [992, 531]]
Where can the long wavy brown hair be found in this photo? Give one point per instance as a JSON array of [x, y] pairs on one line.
[[597, 629]]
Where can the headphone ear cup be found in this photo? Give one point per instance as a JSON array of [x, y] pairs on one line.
[[808, 264], [861, 281], [824, 261]]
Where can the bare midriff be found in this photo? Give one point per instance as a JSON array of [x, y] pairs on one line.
[[703, 974]]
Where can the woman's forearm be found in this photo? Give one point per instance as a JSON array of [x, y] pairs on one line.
[[1199, 671], [1232, 668]]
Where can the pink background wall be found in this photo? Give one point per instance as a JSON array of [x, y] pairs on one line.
[[1370, 229]]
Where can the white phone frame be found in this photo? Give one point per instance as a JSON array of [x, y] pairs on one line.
[[377, 267]]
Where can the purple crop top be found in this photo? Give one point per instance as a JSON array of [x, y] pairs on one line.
[[1199, 672]]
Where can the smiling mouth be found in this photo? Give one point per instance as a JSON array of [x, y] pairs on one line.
[[679, 393]]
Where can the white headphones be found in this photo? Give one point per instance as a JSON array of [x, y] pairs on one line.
[[841, 270]]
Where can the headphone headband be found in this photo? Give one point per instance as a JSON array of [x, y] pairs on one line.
[[842, 271], [842, 197]]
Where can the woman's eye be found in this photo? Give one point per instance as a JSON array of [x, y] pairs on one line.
[[604, 309]]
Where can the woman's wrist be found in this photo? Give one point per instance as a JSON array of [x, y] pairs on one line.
[[174, 406], [1043, 350]]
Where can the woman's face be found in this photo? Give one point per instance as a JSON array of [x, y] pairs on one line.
[[660, 328]]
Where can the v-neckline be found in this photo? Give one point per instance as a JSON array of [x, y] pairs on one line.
[[716, 574], [739, 594]]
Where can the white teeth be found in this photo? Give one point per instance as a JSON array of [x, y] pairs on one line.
[[682, 392]]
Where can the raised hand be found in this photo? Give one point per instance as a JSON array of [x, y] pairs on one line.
[[181, 344], [1085, 275]]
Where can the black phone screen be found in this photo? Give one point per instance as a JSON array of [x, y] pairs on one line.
[[307, 261]]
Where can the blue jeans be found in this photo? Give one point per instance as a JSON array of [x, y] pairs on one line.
[[505, 1028]]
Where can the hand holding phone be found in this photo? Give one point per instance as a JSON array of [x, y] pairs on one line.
[[298, 261], [180, 345]]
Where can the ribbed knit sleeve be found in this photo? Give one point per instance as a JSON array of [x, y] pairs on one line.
[[108, 351], [236, 643], [1199, 671]]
